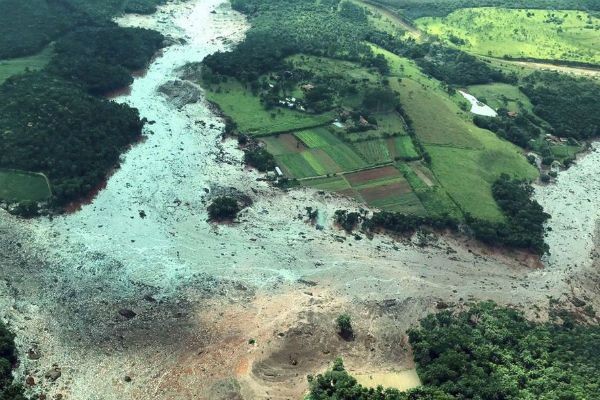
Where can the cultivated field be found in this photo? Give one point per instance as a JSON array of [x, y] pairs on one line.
[[540, 34], [465, 160], [20, 185]]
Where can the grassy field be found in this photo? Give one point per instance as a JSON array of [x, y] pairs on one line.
[[252, 118], [541, 34], [19, 185], [466, 160], [501, 95], [16, 66], [402, 147]]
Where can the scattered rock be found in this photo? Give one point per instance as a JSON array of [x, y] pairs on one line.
[[33, 354], [127, 313], [181, 93], [54, 373], [441, 305]]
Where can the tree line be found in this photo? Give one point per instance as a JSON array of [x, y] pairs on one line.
[[281, 28], [440, 8], [52, 120], [486, 352], [26, 27], [522, 226]]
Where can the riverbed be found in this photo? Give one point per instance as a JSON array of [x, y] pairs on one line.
[[137, 295]]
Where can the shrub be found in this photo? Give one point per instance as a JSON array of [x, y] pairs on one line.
[[223, 208], [344, 325], [347, 220], [260, 159]]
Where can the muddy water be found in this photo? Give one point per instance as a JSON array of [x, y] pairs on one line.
[[574, 203]]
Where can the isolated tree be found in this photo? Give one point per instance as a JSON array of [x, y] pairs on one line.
[[344, 325]]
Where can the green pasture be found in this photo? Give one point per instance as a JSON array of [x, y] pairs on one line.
[[466, 160], [15, 66], [501, 95], [402, 147], [251, 116], [20, 185], [564, 35]]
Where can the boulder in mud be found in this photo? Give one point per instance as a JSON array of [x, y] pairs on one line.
[[127, 313], [181, 93], [54, 373]]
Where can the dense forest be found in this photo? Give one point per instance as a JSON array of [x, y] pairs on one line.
[[8, 358], [434, 8], [456, 67], [524, 218], [487, 352], [50, 125], [567, 103], [103, 58], [28, 26], [316, 28]]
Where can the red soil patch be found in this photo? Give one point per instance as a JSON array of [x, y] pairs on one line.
[[351, 193], [126, 91], [291, 143], [358, 178], [385, 191]]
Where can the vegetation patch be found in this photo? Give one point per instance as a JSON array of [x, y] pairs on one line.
[[493, 352], [283, 144], [385, 191], [26, 27], [375, 174], [564, 35], [51, 126], [103, 58], [402, 148], [317, 138], [374, 151], [485, 352], [525, 218], [295, 165], [8, 358], [224, 208], [501, 96], [468, 175], [439, 8], [16, 186], [567, 103], [15, 66], [251, 116], [259, 158]]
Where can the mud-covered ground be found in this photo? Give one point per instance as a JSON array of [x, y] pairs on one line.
[[137, 296]]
